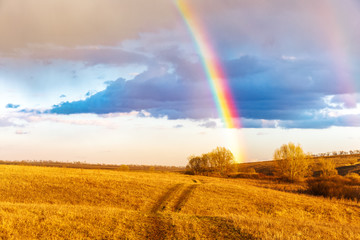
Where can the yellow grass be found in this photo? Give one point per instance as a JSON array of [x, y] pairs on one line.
[[61, 203]]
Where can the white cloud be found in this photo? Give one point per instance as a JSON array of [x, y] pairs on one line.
[[288, 58]]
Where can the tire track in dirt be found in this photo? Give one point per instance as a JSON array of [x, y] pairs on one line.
[[184, 197], [164, 199], [159, 227], [178, 195]]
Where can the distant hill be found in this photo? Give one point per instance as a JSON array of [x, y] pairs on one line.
[[82, 165]]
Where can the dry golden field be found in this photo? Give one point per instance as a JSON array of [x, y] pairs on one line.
[[63, 203]]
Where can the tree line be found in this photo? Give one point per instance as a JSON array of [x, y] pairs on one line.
[[291, 163], [337, 153]]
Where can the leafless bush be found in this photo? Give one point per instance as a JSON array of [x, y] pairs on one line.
[[335, 186]]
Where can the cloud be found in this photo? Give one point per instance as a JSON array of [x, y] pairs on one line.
[[325, 122], [22, 119], [4, 122], [284, 71], [21, 132], [209, 124], [79, 120], [157, 91], [90, 55], [268, 93], [97, 23], [259, 123], [10, 105], [346, 100], [11, 120]]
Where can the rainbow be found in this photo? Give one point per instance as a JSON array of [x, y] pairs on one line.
[[334, 27], [215, 74], [214, 71], [339, 47]]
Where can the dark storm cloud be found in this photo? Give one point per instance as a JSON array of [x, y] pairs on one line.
[[157, 91], [261, 91]]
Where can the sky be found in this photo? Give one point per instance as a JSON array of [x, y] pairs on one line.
[[124, 82]]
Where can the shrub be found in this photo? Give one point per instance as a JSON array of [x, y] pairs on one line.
[[123, 168], [335, 186], [354, 176], [327, 167], [353, 161]]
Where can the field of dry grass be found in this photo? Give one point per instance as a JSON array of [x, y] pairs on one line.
[[62, 203]]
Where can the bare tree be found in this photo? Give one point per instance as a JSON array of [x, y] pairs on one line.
[[220, 160], [291, 162], [194, 164]]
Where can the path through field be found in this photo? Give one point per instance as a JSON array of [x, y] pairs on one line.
[[175, 198], [172, 200]]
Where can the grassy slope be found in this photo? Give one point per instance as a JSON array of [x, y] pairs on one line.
[[40, 202]]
